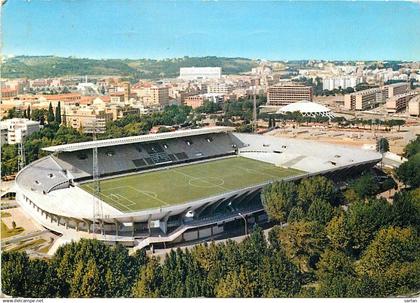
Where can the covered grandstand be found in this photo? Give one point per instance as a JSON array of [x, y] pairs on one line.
[[171, 187]]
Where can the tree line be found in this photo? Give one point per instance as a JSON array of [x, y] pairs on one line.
[[341, 121], [36, 67], [350, 243], [408, 172]]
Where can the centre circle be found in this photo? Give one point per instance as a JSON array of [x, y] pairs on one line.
[[206, 182]]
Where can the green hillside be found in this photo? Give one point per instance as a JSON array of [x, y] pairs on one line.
[[50, 66]]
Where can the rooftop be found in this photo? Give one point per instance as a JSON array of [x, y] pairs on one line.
[[304, 106], [137, 139]]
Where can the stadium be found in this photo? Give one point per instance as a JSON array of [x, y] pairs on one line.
[[172, 187]]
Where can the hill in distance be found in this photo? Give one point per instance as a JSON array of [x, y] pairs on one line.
[[34, 67]]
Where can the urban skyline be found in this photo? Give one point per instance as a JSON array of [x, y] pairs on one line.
[[296, 30]]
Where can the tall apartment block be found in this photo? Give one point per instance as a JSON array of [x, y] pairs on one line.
[[362, 100], [370, 98], [159, 95], [399, 102], [284, 94], [127, 90], [396, 89]]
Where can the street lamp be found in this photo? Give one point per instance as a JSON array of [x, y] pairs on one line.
[[246, 223]]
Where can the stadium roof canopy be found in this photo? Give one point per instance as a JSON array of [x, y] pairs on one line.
[[137, 139], [306, 108]]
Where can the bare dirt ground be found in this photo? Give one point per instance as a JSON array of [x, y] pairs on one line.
[[350, 137], [21, 219], [35, 239]]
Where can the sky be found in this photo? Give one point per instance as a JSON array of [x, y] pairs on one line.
[[272, 30]]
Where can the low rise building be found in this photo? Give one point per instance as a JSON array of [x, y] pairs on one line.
[[68, 99], [194, 101], [219, 88], [79, 117], [8, 93]]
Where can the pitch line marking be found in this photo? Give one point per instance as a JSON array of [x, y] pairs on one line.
[[105, 196], [119, 196], [250, 170], [114, 201], [132, 203], [149, 195], [129, 200], [203, 179], [192, 178]]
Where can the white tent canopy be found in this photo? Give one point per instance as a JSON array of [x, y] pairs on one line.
[[307, 108]]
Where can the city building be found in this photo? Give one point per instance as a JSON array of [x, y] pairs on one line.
[[68, 99], [159, 95], [3, 134], [399, 102], [198, 100], [197, 73], [194, 101], [284, 94], [8, 93], [414, 106], [153, 95], [117, 97], [79, 117], [340, 82], [127, 90], [219, 88], [147, 109], [362, 100], [17, 129], [392, 90]]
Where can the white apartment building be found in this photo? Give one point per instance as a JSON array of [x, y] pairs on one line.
[[17, 129], [337, 82], [197, 73]]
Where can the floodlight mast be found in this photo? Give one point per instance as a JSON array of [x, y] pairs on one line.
[[96, 126]]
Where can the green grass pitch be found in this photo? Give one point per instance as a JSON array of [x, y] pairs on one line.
[[177, 185]]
